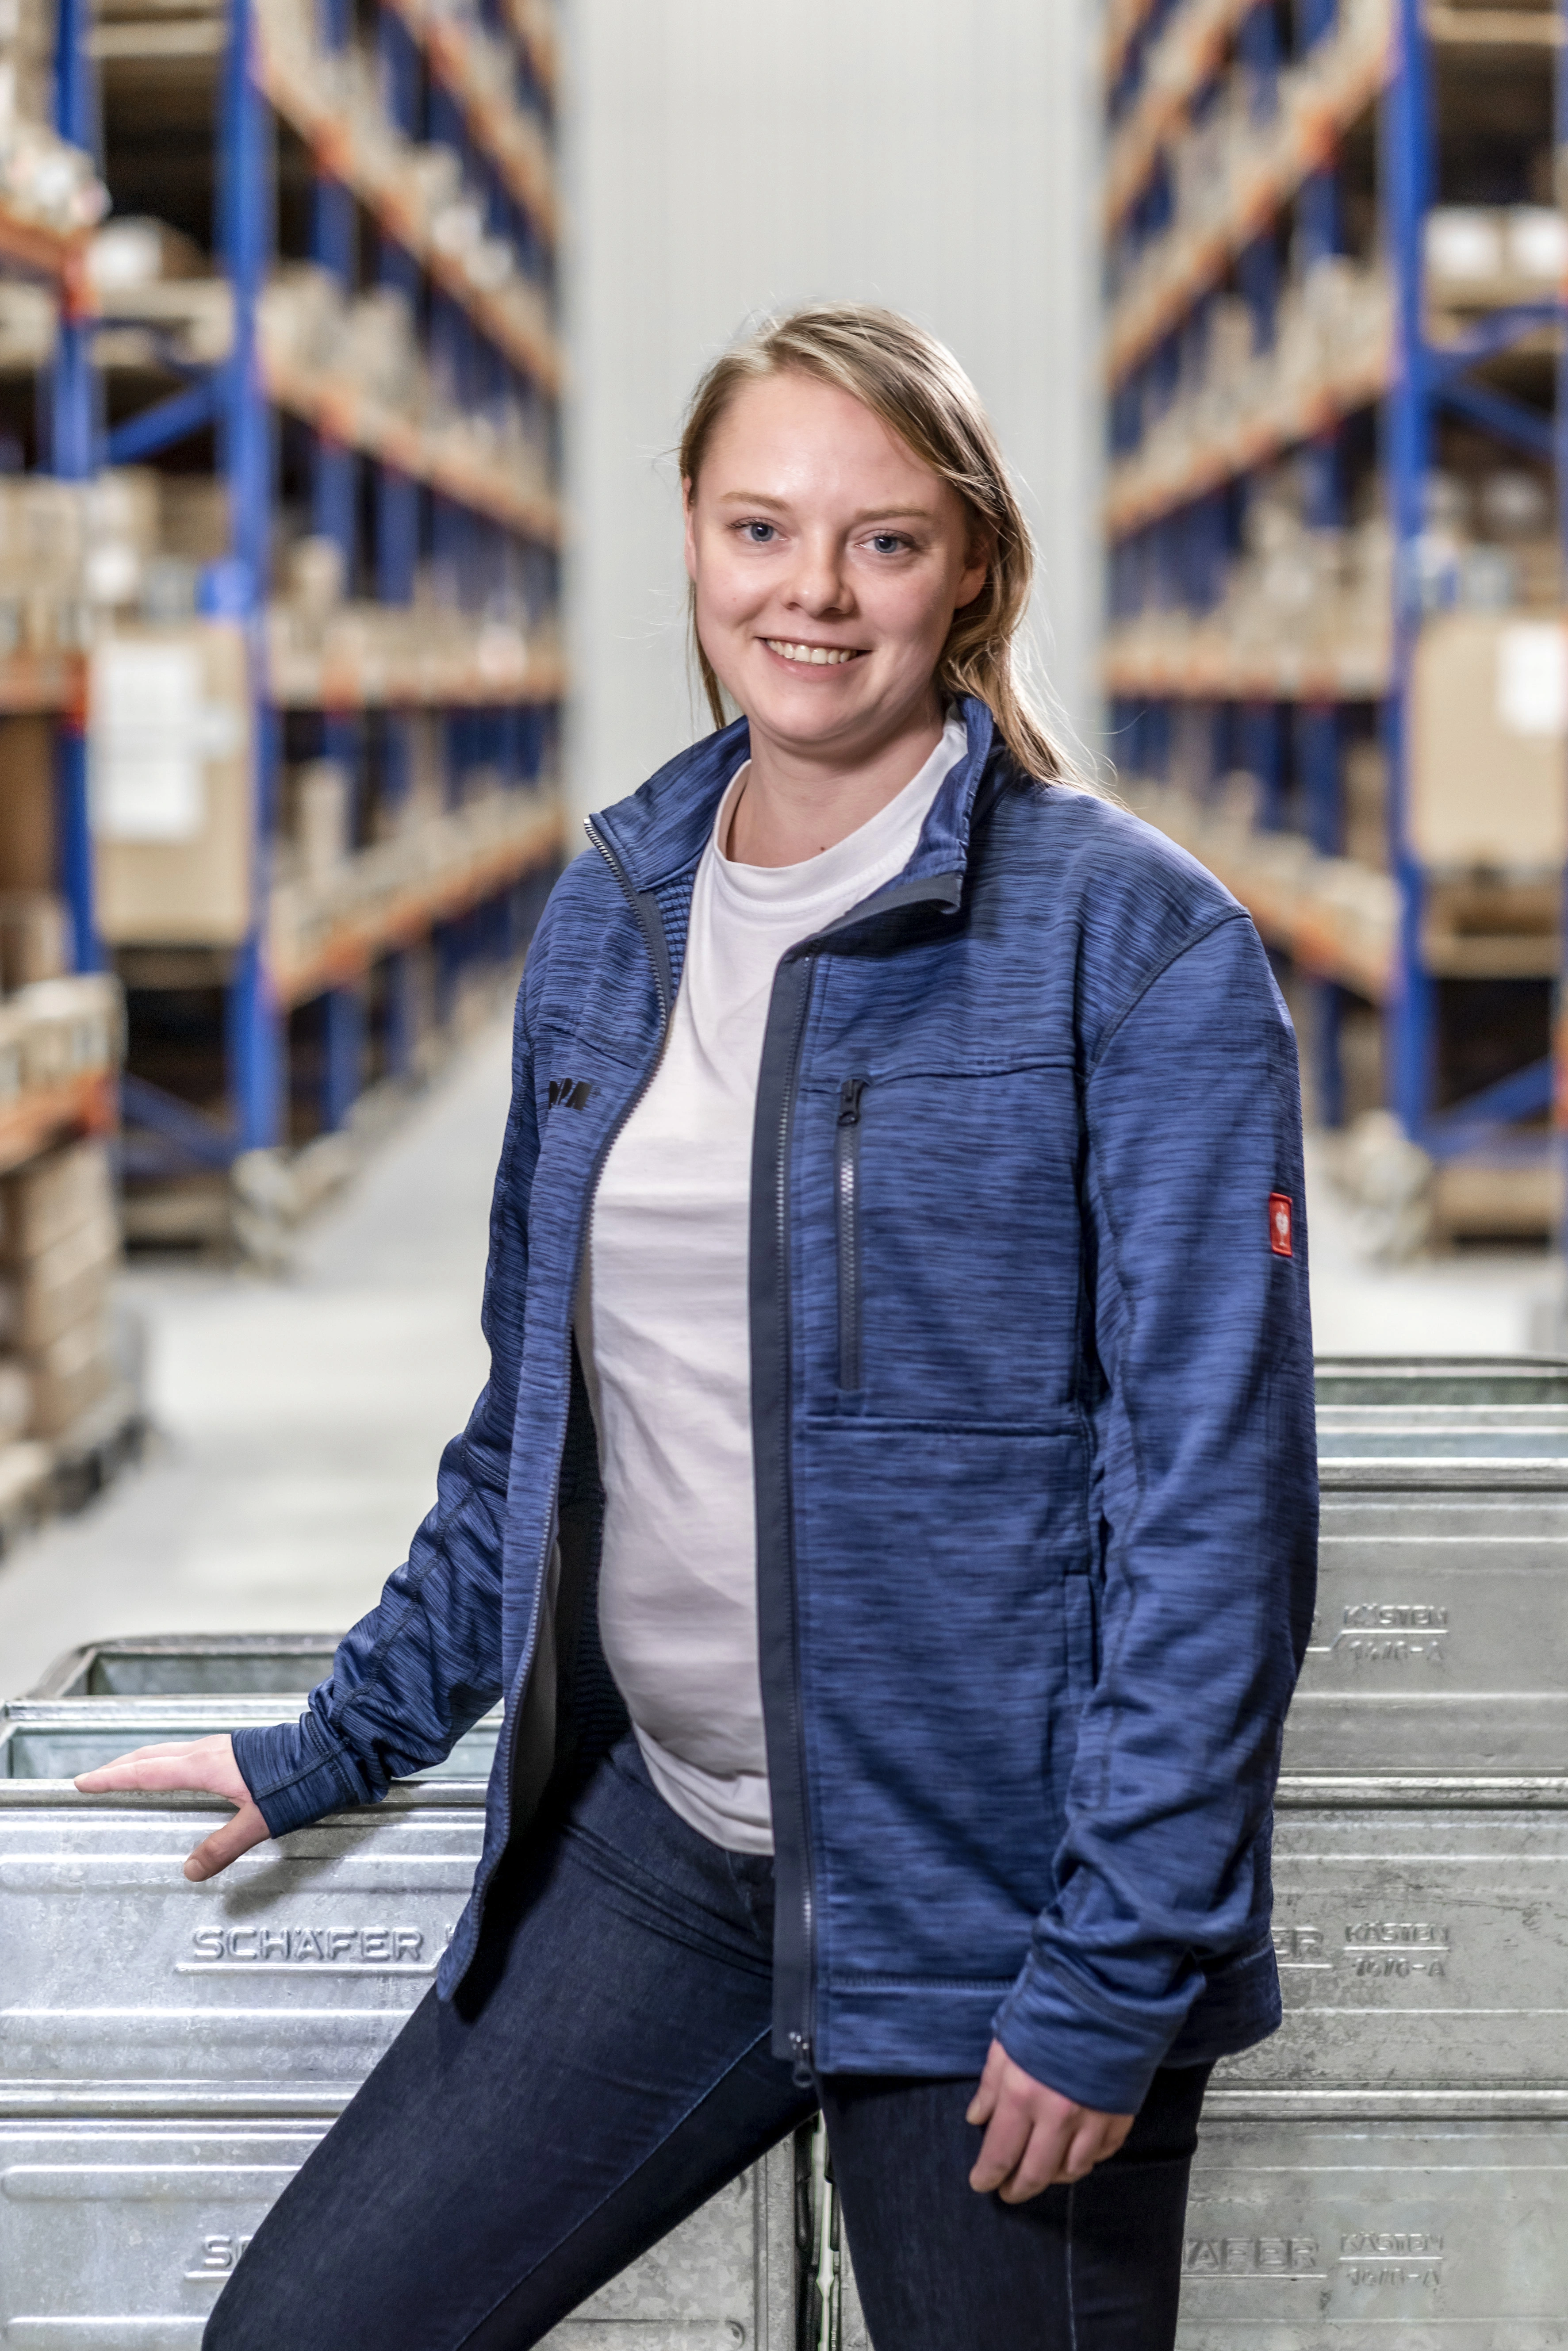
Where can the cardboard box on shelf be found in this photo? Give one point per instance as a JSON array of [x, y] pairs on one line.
[[26, 803], [34, 937], [15, 1402], [1364, 789], [322, 807], [195, 517], [172, 785], [63, 1286], [52, 1197], [73, 1025], [1489, 742], [70, 1373]]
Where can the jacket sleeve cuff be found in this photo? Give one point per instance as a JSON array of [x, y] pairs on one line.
[[1087, 2051], [295, 1774]]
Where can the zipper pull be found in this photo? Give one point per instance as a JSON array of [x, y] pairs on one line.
[[850, 1094], [804, 2075]]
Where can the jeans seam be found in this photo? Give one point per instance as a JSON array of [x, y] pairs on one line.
[[1071, 2294], [584, 2217]]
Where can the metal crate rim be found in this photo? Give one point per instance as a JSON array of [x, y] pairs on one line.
[[71, 1663], [1422, 1790], [1424, 1472], [404, 1795]]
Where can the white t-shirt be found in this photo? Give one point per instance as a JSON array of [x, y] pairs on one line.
[[663, 1327]]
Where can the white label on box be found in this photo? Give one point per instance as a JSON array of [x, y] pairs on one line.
[[146, 743], [1532, 678], [146, 794]]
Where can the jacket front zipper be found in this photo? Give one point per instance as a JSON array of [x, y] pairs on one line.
[[800, 2035], [847, 1216]]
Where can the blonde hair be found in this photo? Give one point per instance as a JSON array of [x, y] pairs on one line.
[[916, 387]]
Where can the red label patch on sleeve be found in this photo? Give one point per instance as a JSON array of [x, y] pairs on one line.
[[1279, 1224]]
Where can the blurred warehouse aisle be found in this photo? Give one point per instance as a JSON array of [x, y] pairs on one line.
[[299, 1421]]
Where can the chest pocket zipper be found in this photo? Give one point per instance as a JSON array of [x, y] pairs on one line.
[[847, 1213]]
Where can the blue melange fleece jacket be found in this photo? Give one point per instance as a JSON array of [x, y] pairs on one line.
[[1032, 1400]]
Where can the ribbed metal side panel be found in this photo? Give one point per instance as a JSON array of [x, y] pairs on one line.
[[1307, 2232], [1441, 1634], [1419, 1946], [287, 1976], [119, 2236], [1463, 1380]]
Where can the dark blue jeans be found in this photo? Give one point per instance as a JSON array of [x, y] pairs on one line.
[[610, 2072]]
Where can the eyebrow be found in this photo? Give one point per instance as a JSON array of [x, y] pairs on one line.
[[867, 514]]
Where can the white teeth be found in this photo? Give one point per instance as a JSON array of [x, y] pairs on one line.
[[820, 656]]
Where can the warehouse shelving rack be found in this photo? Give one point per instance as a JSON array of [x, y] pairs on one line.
[[52, 684], [1343, 110], [393, 494]]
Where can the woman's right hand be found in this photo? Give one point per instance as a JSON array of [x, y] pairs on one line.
[[182, 1766]]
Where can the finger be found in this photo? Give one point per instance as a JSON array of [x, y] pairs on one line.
[[1096, 2138], [983, 2105], [109, 1776], [1040, 2164], [1002, 2148], [99, 1776], [192, 1773], [227, 1843]]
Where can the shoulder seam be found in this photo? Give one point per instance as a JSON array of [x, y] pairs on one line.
[[1217, 923]]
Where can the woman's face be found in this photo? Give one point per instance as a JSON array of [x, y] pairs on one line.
[[828, 563]]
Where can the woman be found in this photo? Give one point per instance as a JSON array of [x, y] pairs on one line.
[[890, 1516]]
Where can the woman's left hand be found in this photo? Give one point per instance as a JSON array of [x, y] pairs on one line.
[[1034, 2136]]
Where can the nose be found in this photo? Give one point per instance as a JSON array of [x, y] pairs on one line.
[[820, 582]]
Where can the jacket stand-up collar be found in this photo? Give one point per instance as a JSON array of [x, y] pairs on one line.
[[663, 829]]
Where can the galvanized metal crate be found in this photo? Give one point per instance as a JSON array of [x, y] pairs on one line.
[[1441, 1380], [98, 1701], [186, 1664], [264, 1990], [1419, 1432], [1422, 1928], [118, 2234], [1347, 2225], [54, 1739], [1440, 1640]]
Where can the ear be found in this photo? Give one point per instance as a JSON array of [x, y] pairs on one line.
[[688, 510], [975, 571]]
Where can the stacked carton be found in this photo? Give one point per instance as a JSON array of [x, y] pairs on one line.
[[41, 178], [60, 1236], [60, 1246]]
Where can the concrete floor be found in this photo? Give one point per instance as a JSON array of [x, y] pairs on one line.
[[299, 1421]]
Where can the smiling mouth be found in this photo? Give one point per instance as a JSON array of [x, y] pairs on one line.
[[813, 656]]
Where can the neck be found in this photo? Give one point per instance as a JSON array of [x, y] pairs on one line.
[[794, 803]]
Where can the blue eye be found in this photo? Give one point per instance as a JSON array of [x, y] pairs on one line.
[[887, 542], [758, 534]]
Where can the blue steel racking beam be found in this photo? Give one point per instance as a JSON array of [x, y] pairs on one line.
[[73, 419], [1559, 1090], [334, 515], [257, 1077]]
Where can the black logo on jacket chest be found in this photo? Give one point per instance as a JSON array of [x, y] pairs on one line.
[[569, 1094]]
